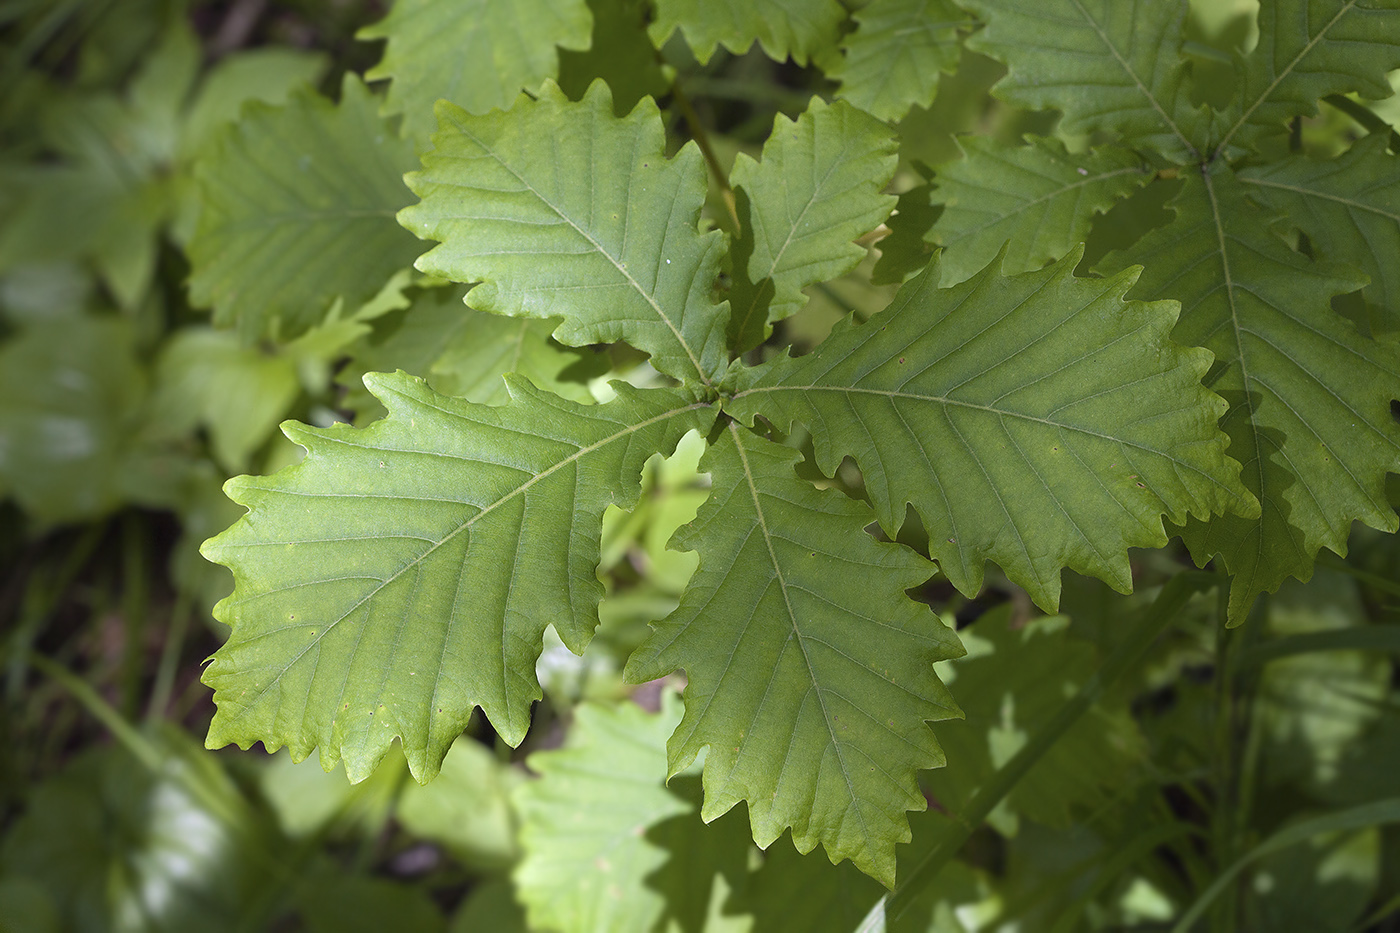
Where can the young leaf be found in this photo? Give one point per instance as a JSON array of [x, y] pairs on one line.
[[893, 59], [810, 673], [297, 210], [1309, 396], [1350, 209], [404, 573], [1308, 49], [1038, 421], [817, 189], [1108, 65], [478, 54], [797, 28], [598, 823], [1038, 197], [561, 209]]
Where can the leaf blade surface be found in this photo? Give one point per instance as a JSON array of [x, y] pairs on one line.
[[1037, 420], [404, 573], [562, 210], [811, 691]]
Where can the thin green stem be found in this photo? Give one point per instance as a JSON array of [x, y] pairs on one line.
[[1125, 657], [141, 748], [180, 616], [702, 139]]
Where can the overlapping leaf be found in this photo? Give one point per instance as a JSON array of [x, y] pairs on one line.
[[621, 54], [817, 189], [561, 209], [463, 352], [1038, 198], [801, 29], [479, 54], [1038, 421], [893, 59], [1109, 65], [809, 671], [297, 210], [1308, 49], [603, 834], [404, 573], [1350, 209], [1309, 396]]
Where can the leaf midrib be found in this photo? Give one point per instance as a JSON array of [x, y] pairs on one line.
[[1003, 412], [797, 632]]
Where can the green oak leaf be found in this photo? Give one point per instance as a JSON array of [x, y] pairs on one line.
[[1108, 65], [809, 672], [1037, 420], [893, 59], [800, 29], [479, 54], [609, 846], [1309, 395], [297, 210], [1350, 209], [405, 572], [1308, 49], [464, 352], [817, 188], [1039, 198], [613, 249]]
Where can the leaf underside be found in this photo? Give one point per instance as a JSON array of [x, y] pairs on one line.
[[1309, 395], [1038, 421], [404, 573], [809, 672], [562, 210]]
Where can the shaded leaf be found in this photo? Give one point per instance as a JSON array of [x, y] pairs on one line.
[[466, 808], [893, 59], [1309, 395], [1038, 421], [1308, 49], [817, 189], [809, 672], [1038, 198], [1109, 66], [298, 209], [71, 397], [596, 858], [404, 573], [621, 54], [904, 251], [479, 54], [1010, 684], [800, 29], [1350, 209], [613, 250], [464, 352]]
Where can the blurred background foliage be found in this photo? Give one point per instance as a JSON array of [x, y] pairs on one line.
[[124, 404]]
